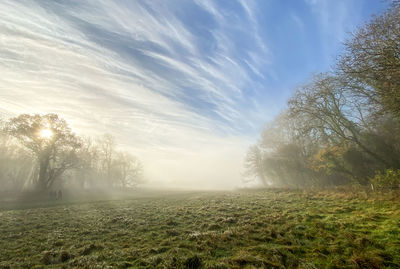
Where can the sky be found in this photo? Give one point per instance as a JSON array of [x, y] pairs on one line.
[[185, 85]]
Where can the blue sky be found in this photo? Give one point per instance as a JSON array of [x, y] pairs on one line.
[[185, 85]]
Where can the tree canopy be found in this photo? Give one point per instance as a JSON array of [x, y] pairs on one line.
[[41, 150], [341, 127]]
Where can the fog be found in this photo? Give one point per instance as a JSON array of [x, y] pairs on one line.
[[187, 119], [185, 98], [215, 165], [199, 134]]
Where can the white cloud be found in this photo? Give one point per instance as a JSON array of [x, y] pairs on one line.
[[335, 19], [129, 68]]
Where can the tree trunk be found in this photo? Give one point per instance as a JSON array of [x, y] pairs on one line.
[[43, 173]]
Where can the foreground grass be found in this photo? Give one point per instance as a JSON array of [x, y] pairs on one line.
[[254, 229]]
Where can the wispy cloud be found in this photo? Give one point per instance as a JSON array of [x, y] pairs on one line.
[[178, 82], [335, 20], [135, 69]]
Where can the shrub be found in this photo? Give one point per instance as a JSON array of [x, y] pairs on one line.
[[390, 179]]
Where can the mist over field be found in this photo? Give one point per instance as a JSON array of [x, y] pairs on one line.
[[182, 85], [199, 134]]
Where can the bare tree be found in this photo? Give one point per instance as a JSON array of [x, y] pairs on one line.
[[341, 127], [50, 140], [330, 113], [254, 165], [127, 170], [107, 151], [371, 64]]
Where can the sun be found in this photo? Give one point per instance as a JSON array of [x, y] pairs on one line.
[[45, 133]]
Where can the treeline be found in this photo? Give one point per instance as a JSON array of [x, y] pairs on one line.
[[341, 127], [40, 152]]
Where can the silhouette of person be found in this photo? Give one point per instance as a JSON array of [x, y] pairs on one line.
[[59, 195]]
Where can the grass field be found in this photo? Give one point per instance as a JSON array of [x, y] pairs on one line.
[[248, 229]]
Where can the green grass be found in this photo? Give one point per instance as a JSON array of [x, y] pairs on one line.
[[253, 229]]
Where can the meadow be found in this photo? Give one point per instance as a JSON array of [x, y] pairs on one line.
[[240, 229]]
